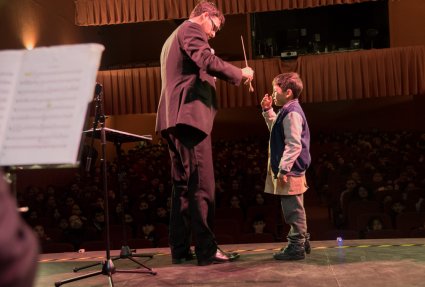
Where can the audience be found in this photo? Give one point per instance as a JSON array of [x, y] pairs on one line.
[[386, 167]]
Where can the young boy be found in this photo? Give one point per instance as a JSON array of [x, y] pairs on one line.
[[289, 158]]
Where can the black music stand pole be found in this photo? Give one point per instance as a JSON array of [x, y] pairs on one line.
[[108, 267]]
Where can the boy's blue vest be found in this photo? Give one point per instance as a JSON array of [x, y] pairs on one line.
[[277, 142]]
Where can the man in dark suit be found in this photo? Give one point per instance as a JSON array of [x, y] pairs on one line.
[[186, 112], [18, 246]]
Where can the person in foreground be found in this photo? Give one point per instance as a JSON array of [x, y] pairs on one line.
[[185, 116], [18, 245], [289, 158]]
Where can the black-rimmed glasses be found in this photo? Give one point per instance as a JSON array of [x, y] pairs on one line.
[[215, 28]]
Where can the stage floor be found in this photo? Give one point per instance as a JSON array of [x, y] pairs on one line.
[[362, 263]]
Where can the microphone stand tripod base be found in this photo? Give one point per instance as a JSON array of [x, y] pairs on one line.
[[127, 253], [108, 269]]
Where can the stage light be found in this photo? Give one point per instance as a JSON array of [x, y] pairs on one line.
[[29, 37], [29, 27], [29, 46]]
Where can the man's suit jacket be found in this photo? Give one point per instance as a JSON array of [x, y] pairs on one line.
[[188, 103]]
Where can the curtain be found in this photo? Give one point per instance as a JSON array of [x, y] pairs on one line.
[[133, 91], [327, 77], [363, 74], [108, 12]]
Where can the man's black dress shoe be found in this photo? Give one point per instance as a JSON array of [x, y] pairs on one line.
[[232, 255], [188, 257], [219, 257]]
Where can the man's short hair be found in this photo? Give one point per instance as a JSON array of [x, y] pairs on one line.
[[289, 81], [211, 8]]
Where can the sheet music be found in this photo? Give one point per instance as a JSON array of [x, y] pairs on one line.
[[49, 106], [9, 66]]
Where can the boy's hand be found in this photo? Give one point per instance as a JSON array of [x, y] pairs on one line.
[[266, 102], [283, 178]]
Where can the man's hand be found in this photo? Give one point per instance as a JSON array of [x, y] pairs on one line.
[[248, 73], [266, 102]]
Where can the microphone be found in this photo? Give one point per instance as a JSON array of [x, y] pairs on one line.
[[97, 91], [88, 163], [98, 88]]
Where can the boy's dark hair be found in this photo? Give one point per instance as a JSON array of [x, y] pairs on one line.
[[290, 81]]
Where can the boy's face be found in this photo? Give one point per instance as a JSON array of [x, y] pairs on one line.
[[279, 96]]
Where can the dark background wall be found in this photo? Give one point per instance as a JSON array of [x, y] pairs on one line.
[[140, 44]]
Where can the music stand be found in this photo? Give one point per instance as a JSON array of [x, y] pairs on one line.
[[117, 137]]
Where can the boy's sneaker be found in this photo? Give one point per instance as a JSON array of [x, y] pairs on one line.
[[290, 252], [307, 246]]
